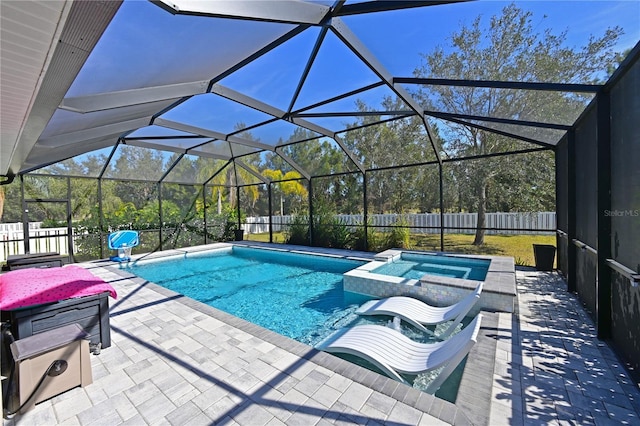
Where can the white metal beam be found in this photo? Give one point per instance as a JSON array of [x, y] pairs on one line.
[[209, 133], [286, 11], [293, 164], [175, 125], [123, 98], [250, 170], [245, 100], [81, 136]]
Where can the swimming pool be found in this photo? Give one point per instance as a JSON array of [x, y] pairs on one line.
[[415, 266], [299, 296]]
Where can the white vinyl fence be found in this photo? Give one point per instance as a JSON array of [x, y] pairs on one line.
[[518, 223], [12, 240]]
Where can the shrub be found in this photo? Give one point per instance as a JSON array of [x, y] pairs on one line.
[[399, 237], [323, 221], [298, 231], [340, 234], [358, 238]]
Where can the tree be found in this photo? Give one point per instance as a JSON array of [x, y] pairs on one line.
[[509, 50], [617, 60], [316, 156], [137, 163], [394, 143], [287, 185]]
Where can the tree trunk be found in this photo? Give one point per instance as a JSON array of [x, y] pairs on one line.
[[482, 208]]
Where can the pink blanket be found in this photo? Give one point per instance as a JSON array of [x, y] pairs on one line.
[[34, 286]]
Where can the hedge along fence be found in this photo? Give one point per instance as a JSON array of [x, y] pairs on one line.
[[429, 223]]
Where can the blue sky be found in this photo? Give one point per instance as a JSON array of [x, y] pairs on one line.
[[404, 35]]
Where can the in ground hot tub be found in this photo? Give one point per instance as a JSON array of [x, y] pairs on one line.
[[436, 278], [417, 265]]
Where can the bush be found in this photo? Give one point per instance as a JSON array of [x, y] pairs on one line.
[[358, 238], [399, 237], [323, 221], [298, 231], [340, 234]]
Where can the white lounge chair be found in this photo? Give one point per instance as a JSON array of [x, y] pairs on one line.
[[419, 313], [394, 353]]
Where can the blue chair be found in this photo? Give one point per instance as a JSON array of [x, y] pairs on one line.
[[123, 241]]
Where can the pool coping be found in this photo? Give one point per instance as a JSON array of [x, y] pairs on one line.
[[473, 402]]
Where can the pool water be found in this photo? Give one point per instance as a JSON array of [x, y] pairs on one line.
[[299, 296], [415, 266]]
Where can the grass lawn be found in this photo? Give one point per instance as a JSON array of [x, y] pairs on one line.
[[520, 247]]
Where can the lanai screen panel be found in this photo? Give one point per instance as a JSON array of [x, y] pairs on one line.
[[464, 138], [215, 113], [85, 165], [136, 163], [213, 148], [66, 122], [254, 203], [45, 187], [319, 157], [394, 143], [527, 134], [85, 217], [562, 203], [279, 132], [174, 144], [538, 116], [191, 169], [168, 49], [342, 112], [182, 215], [625, 202], [336, 70], [544, 106], [156, 132], [279, 72], [587, 179], [586, 161], [274, 167], [625, 170]]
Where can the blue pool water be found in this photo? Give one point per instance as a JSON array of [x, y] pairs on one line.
[[415, 266], [298, 296]]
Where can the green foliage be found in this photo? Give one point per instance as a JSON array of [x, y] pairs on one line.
[[399, 236], [322, 220], [86, 242], [520, 262], [358, 238], [341, 236], [298, 231], [328, 229], [52, 223], [393, 143], [287, 186]]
